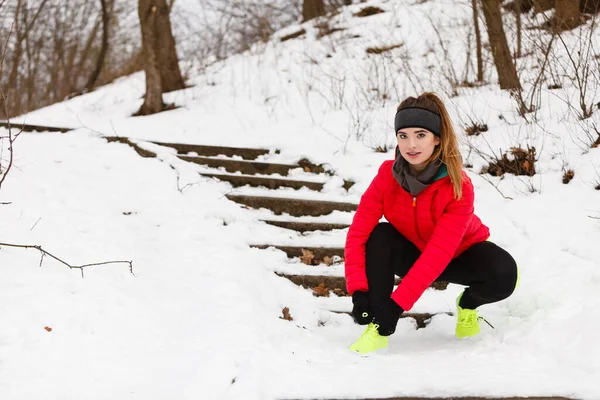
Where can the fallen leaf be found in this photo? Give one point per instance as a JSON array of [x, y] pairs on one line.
[[48, 329], [307, 257], [286, 314], [328, 260], [321, 290]]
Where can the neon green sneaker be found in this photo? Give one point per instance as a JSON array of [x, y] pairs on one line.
[[370, 340], [467, 323]]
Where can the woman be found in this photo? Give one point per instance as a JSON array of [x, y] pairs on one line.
[[432, 233]]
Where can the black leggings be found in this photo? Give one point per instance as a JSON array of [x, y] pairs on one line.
[[488, 270]]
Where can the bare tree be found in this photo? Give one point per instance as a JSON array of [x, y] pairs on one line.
[[519, 28], [22, 27], [312, 9], [507, 73], [540, 6], [478, 41], [106, 14], [159, 53], [168, 67], [566, 15]]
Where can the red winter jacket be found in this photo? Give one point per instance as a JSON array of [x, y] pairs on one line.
[[440, 226]]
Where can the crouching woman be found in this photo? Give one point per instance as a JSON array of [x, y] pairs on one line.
[[432, 233]]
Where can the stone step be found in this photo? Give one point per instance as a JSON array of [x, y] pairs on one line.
[[306, 226], [294, 207], [296, 251], [211, 151], [245, 167], [270, 183], [142, 152], [337, 284], [18, 126]]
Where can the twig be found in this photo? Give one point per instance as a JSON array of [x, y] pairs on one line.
[[80, 267], [34, 225], [11, 139], [495, 187]]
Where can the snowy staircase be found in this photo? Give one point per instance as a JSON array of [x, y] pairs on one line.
[[321, 267]]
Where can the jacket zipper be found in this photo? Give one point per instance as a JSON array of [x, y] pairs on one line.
[[415, 214]]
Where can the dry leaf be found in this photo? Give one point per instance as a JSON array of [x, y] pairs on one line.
[[286, 314], [307, 257], [340, 292], [328, 260], [48, 329], [321, 290]]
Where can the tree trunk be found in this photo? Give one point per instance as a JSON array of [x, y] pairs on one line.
[[519, 27], [11, 98], [566, 15], [164, 48], [478, 42], [312, 9], [148, 14], [507, 73], [540, 6], [104, 48]]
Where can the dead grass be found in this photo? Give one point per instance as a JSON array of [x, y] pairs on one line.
[[568, 176], [293, 35], [368, 11], [476, 129], [381, 50], [324, 29], [522, 162]]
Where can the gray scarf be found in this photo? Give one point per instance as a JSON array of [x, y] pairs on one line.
[[415, 184]]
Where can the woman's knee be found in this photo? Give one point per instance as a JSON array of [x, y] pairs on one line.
[[505, 272]]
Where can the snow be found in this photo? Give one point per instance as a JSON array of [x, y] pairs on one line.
[[199, 316]]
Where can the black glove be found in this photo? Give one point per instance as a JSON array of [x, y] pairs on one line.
[[387, 317], [361, 312]]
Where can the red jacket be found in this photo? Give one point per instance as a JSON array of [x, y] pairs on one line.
[[440, 226]]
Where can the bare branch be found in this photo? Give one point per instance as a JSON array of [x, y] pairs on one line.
[[485, 178], [106, 16], [80, 267], [11, 140], [35, 17]]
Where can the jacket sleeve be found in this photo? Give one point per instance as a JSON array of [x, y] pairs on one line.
[[368, 214], [439, 250]]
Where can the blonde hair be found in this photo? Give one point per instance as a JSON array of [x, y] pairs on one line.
[[447, 150]]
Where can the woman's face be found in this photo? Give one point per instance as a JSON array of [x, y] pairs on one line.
[[416, 146]]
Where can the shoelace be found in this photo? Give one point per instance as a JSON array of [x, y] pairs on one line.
[[371, 328], [470, 320], [486, 321]]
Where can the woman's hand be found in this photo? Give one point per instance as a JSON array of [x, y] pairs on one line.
[[360, 311], [387, 317]]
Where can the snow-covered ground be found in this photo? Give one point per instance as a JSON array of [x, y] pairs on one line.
[[199, 318]]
